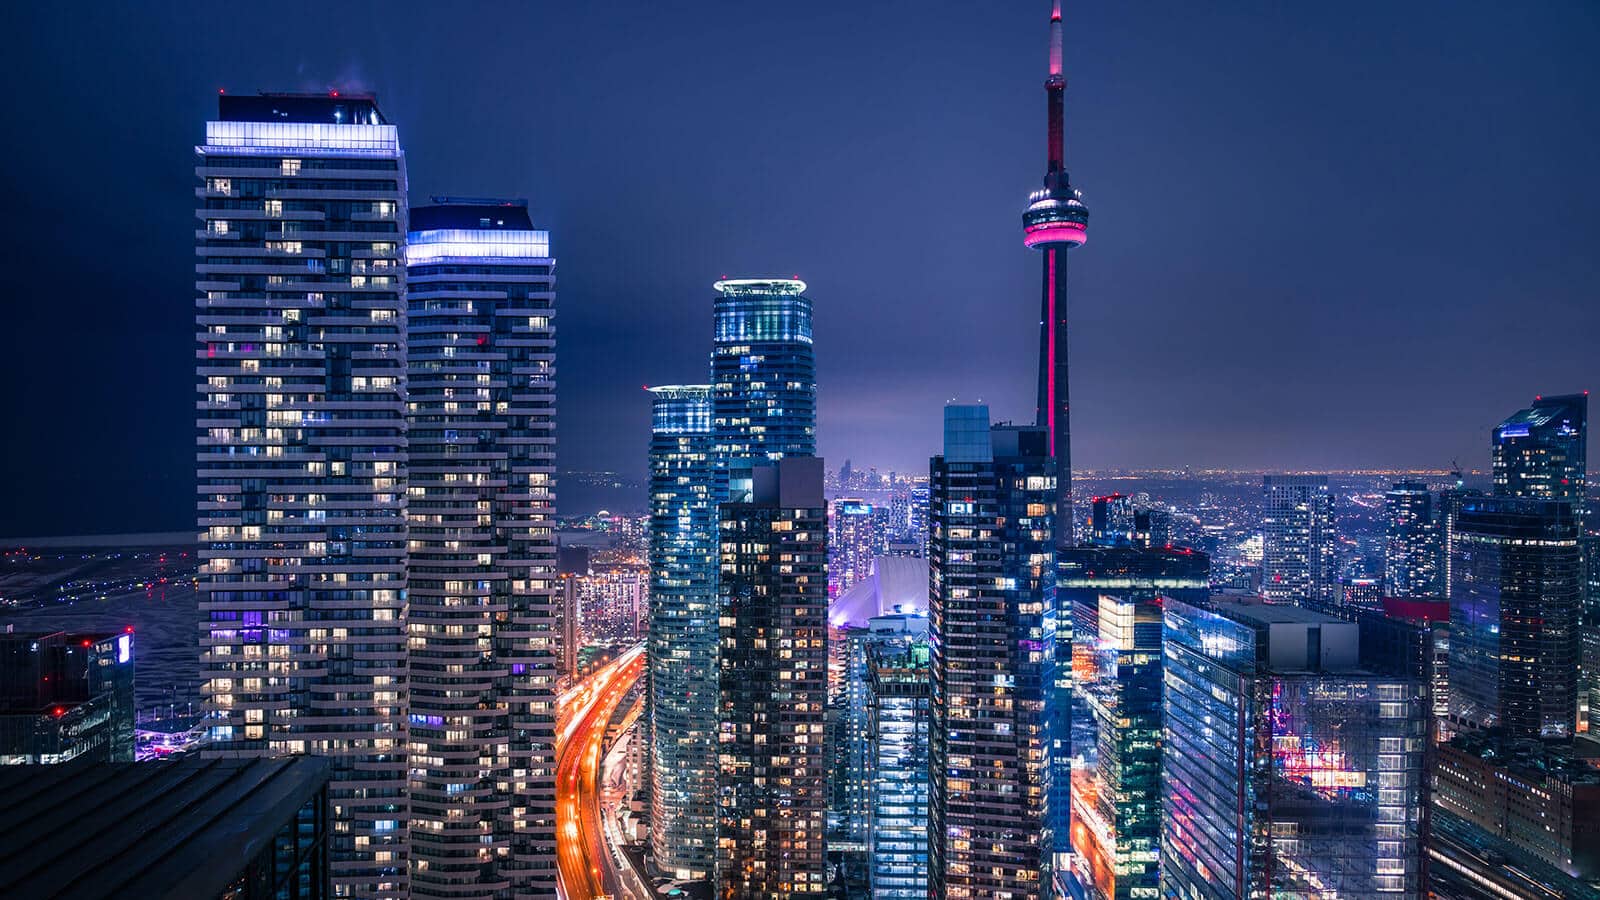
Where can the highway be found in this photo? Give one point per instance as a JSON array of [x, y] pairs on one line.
[[584, 861]]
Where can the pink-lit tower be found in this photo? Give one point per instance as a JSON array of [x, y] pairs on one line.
[[1056, 221]]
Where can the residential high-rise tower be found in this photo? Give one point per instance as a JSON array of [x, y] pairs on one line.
[[992, 633], [301, 456], [772, 682], [1411, 542], [484, 650], [1298, 564]]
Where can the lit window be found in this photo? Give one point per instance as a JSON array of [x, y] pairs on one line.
[[289, 167]]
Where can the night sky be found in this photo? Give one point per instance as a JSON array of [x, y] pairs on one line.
[[1323, 235]]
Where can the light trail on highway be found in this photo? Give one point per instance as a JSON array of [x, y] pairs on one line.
[[581, 853]]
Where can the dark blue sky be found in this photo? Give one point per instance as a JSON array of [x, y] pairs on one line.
[[1323, 235]]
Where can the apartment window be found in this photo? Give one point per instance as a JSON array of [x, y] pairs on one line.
[[220, 185], [274, 208], [217, 226], [289, 167]]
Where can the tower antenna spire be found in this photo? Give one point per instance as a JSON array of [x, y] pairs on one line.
[[1056, 88]]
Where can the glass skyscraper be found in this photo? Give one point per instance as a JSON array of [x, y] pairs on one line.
[[687, 482], [1541, 452], [1115, 596], [1411, 542], [482, 620], [1298, 563], [763, 371], [1515, 602], [772, 605], [992, 633], [301, 443], [1287, 771], [897, 679]]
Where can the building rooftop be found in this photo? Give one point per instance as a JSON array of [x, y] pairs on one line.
[[331, 108], [472, 213], [1573, 762], [1261, 613], [178, 829]]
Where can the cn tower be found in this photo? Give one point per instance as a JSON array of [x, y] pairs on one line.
[[1056, 221]]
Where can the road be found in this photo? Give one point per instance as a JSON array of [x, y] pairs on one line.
[[587, 872]]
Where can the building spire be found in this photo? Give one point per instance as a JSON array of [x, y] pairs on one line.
[[1055, 39], [1056, 88]]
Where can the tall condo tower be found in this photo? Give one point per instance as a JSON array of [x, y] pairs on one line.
[[1299, 563], [483, 587], [1411, 542], [686, 484], [300, 314], [763, 371], [1056, 221], [992, 633], [772, 686]]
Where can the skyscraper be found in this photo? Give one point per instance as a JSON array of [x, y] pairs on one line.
[[1298, 564], [1515, 603], [851, 786], [897, 690], [763, 371], [1116, 595], [1411, 542], [1055, 221], [686, 484], [992, 634], [856, 536], [772, 682], [483, 588], [1541, 452], [1286, 769], [301, 456]]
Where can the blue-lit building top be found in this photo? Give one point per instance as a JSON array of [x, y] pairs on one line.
[[687, 483], [1286, 769], [1541, 452], [763, 370]]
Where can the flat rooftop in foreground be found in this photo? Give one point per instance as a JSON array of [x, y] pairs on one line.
[[184, 828]]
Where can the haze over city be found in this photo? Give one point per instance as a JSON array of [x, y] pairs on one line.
[[1325, 236]]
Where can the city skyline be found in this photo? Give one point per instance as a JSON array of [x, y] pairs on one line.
[[839, 155], [959, 670]]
